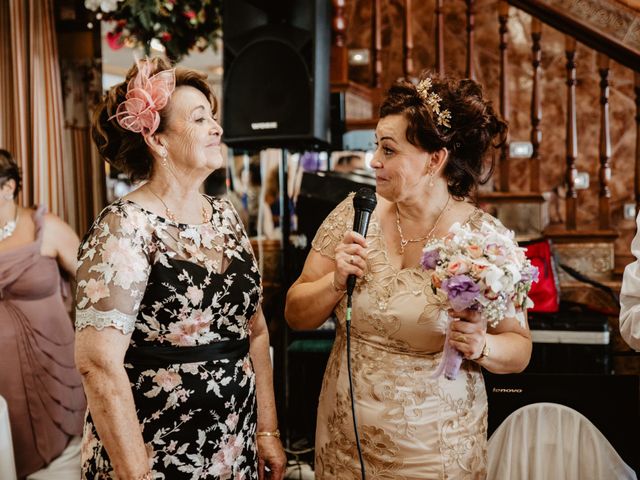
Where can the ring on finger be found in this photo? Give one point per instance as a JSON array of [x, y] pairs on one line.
[[462, 338], [351, 259]]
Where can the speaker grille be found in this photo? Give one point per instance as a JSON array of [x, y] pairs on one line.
[[275, 106]]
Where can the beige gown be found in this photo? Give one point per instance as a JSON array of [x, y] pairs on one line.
[[410, 426]]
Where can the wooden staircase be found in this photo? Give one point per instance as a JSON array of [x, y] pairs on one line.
[[576, 25]]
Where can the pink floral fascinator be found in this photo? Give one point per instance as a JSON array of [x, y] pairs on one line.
[[146, 96]]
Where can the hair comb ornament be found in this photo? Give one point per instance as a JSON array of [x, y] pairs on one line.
[[146, 96], [432, 101]]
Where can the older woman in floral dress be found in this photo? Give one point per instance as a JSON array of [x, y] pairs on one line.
[[171, 342]]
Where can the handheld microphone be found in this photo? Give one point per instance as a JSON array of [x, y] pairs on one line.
[[364, 203]]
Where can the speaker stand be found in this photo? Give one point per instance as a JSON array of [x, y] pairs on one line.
[[285, 268]]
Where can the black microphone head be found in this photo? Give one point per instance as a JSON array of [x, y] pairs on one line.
[[365, 199]]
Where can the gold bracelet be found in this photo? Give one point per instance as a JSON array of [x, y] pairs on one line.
[[275, 433], [335, 287], [146, 476]]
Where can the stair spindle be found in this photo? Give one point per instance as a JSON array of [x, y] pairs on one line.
[[536, 106], [604, 212], [339, 60], [439, 37], [503, 16], [408, 41], [470, 39], [376, 44], [636, 89], [572, 135]]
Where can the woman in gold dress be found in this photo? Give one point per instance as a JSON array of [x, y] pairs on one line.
[[432, 140]]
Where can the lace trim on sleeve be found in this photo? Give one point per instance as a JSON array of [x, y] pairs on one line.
[[333, 228], [90, 317]]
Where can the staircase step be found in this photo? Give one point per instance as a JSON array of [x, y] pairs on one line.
[[586, 234], [361, 124], [511, 197], [359, 100]]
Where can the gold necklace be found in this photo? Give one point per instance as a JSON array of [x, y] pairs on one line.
[[169, 213], [405, 241]]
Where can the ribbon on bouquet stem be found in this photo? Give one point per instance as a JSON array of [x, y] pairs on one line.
[[451, 359]]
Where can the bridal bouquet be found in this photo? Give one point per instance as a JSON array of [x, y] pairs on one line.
[[483, 270]]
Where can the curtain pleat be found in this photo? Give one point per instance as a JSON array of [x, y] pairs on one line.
[[46, 111], [31, 99], [14, 68], [82, 89]]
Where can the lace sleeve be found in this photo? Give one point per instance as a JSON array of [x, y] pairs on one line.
[[334, 227], [113, 270]]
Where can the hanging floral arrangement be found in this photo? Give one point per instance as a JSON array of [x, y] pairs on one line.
[[179, 25]]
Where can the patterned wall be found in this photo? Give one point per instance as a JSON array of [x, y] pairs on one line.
[[486, 61]]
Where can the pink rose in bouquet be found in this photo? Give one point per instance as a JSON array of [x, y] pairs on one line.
[[483, 270]]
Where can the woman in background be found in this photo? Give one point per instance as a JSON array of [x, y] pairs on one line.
[[38, 376]]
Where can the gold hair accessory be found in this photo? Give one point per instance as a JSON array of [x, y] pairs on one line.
[[432, 101]]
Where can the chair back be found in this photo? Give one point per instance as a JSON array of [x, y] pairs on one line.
[[545, 441]]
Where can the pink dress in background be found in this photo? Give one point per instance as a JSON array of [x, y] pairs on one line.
[[38, 378]]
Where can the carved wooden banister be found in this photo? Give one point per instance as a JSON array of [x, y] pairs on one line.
[[585, 21], [339, 57], [536, 106], [376, 45], [503, 17], [408, 41], [439, 63], [470, 39], [604, 212], [572, 135]]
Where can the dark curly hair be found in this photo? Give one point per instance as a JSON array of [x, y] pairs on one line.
[[474, 126], [127, 150], [9, 171]]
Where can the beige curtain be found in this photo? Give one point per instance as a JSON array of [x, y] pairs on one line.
[[82, 89], [31, 96]]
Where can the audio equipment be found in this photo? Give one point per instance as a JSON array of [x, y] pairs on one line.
[[276, 73]]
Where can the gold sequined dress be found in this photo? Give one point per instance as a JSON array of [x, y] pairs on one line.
[[410, 426]]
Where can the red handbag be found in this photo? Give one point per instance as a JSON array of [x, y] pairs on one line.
[[545, 293]]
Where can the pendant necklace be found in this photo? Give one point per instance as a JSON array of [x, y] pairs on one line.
[[169, 213], [405, 241]]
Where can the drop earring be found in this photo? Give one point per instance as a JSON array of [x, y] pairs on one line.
[[431, 183], [163, 154]]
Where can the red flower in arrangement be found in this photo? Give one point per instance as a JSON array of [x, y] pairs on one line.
[[138, 23], [114, 39]]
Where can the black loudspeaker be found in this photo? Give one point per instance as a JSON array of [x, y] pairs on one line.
[[610, 402], [276, 73]]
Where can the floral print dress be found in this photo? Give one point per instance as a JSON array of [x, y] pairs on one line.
[[185, 295]]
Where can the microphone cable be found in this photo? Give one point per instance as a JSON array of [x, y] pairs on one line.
[[353, 404]]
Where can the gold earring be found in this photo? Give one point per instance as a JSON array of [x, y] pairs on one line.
[[431, 175]]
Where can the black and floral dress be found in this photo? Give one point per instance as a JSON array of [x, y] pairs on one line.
[[185, 295]]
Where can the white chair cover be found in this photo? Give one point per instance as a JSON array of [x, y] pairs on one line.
[[7, 462], [545, 441], [65, 467]]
